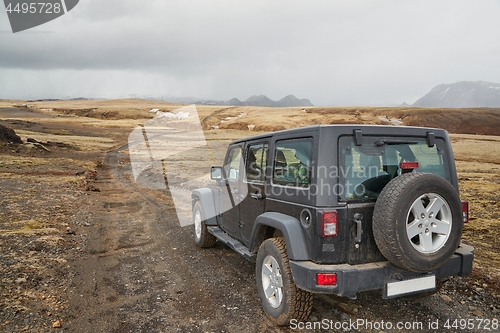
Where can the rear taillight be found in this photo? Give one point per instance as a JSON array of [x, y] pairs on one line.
[[326, 279], [329, 223], [465, 211]]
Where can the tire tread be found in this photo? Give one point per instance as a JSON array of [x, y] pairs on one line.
[[385, 231], [299, 301], [206, 239]]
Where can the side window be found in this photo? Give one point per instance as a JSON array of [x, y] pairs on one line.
[[292, 162], [256, 162], [232, 164]]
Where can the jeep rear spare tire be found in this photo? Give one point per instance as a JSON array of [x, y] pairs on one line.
[[417, 221]]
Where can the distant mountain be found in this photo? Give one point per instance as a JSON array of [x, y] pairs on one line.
[[234, 101], [256, 100], [291, 100], [464, 94], [262, 100]]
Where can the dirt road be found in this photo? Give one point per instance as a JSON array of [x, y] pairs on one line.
[[140, 271]]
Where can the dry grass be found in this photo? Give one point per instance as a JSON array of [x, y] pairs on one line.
[[58, 163], [467, 121], [477, 148], [23, 227], [478, 166], [103, 109], [8, 103], [86, 143]]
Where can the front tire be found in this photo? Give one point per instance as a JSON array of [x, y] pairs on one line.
[[202, 238], [281, 299]]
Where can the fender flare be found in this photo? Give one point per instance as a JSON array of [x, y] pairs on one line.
[[290, 228], [206, 198]]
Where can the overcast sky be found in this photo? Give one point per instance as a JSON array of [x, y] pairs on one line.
[[333, 52]]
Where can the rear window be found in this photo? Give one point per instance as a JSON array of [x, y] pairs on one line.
[[365, 170]]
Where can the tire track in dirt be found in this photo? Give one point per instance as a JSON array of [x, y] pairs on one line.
[[204, 122], [140, 271]]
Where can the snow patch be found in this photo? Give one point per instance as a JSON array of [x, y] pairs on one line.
[[444, 93], [394, 121], [226, 119], [170, 115]]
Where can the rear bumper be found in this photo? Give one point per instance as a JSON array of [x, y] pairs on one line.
[[352, 279]]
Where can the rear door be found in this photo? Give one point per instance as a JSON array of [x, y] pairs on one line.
[[254, 179], [363, 178]]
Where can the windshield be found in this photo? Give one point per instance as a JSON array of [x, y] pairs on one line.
[[366, 169]]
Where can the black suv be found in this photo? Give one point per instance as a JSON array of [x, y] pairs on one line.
[[338, 209]]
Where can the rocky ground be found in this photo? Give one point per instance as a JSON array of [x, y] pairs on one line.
[[84, 249]]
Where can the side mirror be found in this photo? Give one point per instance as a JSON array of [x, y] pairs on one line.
[[216, 173]]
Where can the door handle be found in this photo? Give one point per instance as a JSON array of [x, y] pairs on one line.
[[359, 227], [258, 196]]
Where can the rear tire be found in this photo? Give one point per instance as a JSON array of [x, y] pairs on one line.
[[281, 299], [202, 238], [417, 221]]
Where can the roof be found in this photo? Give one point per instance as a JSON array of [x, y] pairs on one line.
[[343, 128]]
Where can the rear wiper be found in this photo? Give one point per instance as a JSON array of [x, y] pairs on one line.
[[395, 142]]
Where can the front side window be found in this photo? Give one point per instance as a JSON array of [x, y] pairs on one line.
[[365, 170], [232, 164], [292, 162]]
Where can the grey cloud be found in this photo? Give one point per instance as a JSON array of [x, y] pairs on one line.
[[340, 52]]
